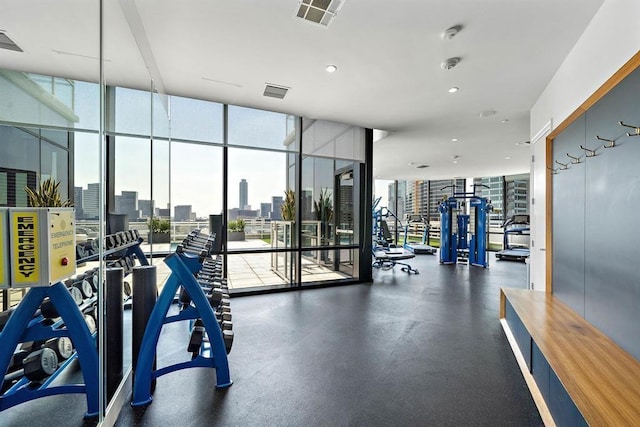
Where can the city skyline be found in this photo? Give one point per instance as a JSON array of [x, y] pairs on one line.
[[128, 202]]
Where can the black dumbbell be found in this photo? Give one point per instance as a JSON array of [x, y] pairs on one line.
[[227, 336], [84, 286], [91, 323], [195, 341], [226, 325], [127, 290], [40, 364], [109, 242], [16, 360], [48, 310], [62, 346]]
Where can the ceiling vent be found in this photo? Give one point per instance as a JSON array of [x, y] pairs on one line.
[[275, 91], [450, 63], [319, 12], [7, 43]]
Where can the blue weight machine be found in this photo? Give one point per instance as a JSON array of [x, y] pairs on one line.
[[462, 244]]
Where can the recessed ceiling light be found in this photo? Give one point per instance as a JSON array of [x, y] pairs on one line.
[[331, 68], [504, 120], [454, 139], [507, 158], [455, 161], [450, 63], [453, 89], [411, 163]]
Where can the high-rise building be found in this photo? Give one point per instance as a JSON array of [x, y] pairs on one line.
[[517, 196], [182, 213], [77, 201], [145, 207], [276, 205], [91, 201], [244, 194], [265, 210], [129, 204]]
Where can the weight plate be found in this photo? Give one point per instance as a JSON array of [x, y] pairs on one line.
[[87, 290], [65, 348], [48, 361], [91, 323], [76, 295]]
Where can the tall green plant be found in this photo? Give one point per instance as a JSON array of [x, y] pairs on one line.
[[288, 208], [47, 194], [323, 206]]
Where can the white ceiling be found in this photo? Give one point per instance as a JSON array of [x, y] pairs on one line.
[[388, 55]]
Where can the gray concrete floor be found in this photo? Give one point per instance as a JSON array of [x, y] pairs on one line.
[[418, 350]]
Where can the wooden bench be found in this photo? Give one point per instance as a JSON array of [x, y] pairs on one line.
[[582, 375]]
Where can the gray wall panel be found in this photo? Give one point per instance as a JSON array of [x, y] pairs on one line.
[[612, 273], [568, 219]]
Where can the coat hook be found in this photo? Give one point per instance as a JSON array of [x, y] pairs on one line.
[[613, 143], [636, 129], [574, 160], [590, 152], [553, 171], [563, 166]]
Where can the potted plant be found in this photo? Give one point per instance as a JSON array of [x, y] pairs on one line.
[[323, 212], [288, 208], [235, 230], [47, 195], [159, 229]]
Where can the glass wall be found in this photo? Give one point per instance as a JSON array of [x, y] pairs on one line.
[[49, 115], [289, 190]]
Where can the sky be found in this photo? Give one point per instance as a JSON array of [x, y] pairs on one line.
[[187, 173]]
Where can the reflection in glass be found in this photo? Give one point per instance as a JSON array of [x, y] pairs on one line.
[[196, 120], [264, 129], [328, 265], [259, 270]]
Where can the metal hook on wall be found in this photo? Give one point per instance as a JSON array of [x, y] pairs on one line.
[[574, 160], [563, 166], [590, 152], [636, 129], [611, 145], [553, 171]]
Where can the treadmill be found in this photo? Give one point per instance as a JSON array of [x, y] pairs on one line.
[[517, 225], [422, 247]]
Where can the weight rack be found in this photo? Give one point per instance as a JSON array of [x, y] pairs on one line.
[[184, 265], [26, 324]]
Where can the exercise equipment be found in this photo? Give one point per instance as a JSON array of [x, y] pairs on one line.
[[422, 247], [55, 324], [386, 254], [517, 225], [194, 307], [462, 246]]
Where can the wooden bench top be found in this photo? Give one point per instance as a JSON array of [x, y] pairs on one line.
[[602, 379]]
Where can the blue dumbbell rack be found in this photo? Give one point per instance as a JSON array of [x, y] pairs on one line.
[[183, 267], [24, 326]]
